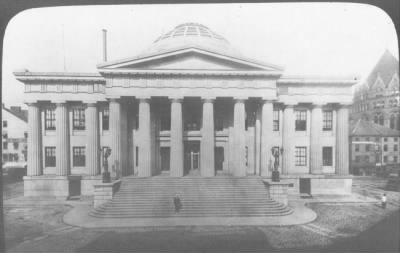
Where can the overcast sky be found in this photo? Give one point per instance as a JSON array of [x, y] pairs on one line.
[[306, 39]]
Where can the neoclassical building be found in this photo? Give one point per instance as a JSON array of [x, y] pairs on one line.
[[191, 105]]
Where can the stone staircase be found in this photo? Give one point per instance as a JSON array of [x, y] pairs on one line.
[[201, 197]]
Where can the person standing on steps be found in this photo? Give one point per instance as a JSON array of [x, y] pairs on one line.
[[384, 199], [177, 203]]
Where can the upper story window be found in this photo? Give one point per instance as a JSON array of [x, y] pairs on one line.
[[106, 118], [367, 147], [25, 135], [78, 119], [357, 147], [50, 119], [327, 156], [5, 123], [276, 120], [16, 145], [385, 147], [5, 136], [327, 120], [301, 120]]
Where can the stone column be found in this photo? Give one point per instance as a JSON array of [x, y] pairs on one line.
[[258, 142], [144, 138], [34, 141], [239, 117], [92, 135], [342, 141], [288, 129], [176, 159], [207, 145], [266, 134], [115, 130], [62, 140], [315, 146]]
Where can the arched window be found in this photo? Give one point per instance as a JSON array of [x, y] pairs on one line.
[[381, 120], [392, 121]]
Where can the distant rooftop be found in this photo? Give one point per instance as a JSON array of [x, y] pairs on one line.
[[365, 128]]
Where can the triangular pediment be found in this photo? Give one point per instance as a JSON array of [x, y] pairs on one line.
[[190, 59]]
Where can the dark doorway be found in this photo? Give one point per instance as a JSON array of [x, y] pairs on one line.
[[219, 158], [165, 158], [192, 158], [305, 186], [74, 186]]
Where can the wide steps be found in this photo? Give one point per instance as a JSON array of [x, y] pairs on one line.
[[200, 197]]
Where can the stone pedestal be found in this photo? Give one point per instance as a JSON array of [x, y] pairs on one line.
[[46, 186], [278, 191], [104, 192]]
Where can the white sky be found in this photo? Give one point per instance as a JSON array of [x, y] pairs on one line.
[[305, 38]]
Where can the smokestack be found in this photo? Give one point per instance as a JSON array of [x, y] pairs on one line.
[[104, 45]]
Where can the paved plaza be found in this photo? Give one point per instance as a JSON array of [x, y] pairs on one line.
[[357, 223]]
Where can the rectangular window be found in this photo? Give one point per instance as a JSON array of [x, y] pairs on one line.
[[16, 145], [357, 148], [5, 145], [395, 138], [25, 135], [385, 159], [327, 120], [50, 119], [78, 157], [385, 139], [78, 119], [50, 156], [327, 156], [367, 147], [5, 136], [301, 156], [385, 147], [357, 139], [165, 123], [366, 159], [276, 120], [301, 120], [395, 159], [377, 158], [106, 118], [395, 147], [5, 123]]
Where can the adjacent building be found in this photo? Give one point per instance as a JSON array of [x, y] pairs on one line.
[[376, 100], [14, 134], [374, 149], [190, 105]]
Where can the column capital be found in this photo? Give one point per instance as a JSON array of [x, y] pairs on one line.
[[289, 106], [143, 98], [208, 99], [59, 102], [240, 99], [267, 100], [317, 105], [31, 101], [176, 99], [90, 102]]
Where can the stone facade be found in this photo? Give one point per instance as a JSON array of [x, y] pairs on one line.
[[190, 105]]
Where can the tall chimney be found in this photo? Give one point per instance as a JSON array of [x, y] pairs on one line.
[[104, 45]]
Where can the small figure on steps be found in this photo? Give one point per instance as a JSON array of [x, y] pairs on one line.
[[177, 203], [384, 201]]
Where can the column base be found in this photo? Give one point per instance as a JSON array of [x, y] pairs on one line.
[[46, 186]]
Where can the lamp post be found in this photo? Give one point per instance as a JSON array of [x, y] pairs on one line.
[[276, 152]]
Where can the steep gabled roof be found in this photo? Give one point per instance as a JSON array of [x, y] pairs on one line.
[[386, 67], [365, 128], [21, 114]]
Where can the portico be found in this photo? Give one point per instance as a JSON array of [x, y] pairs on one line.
[[190, 105]]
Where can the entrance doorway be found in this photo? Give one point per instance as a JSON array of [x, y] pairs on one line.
[[305, 186], [192, 158], [165, 158]]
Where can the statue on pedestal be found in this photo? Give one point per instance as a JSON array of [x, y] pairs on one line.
[[106, 173], [275, 173]]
